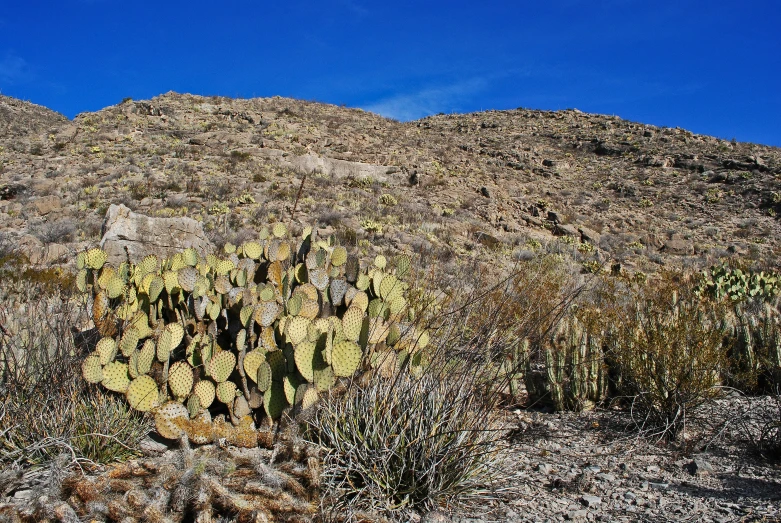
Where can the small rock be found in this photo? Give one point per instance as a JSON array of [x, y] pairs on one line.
[[661, 485], [577, 514], [543, 468], [629, 495], [435, 516], [700, 467], [594, 469], [607, 478], [47, 204], [485, 192], [654, 469], [591, 501]]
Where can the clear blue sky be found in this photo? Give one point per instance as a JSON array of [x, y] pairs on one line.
[[712, 67]]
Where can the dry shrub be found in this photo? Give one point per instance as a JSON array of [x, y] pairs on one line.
[[668, 354]]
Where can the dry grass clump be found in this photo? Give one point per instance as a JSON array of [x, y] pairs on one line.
[[46, 409]]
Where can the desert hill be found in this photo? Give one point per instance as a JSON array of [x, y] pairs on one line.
[[448, 185]]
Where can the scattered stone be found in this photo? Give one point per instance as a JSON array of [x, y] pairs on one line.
[[700, 467], [591, 501]]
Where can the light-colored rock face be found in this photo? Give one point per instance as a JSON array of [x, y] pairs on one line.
[[143, 235]]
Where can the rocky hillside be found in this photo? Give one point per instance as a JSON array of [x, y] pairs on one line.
[[504, 182]]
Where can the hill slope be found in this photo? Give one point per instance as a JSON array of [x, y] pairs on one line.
[[496, 181]]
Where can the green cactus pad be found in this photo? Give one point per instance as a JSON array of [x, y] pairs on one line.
[[115, 377], [290, 385], [95, 258], [403, 264], [221, 366], [81, 280], [171, 281], [397, 305], [278, 364], [345, 358], [142, 394], [360, 301], [149, 263], [352, 322], [166, 417], [264, 376], [180, 379], [226, 392], [206, 391], [169, 340], [252, 361], [296, 330], [267, 293], [115, 287], [307, 358], [378, 309], [245, 315], [132, 365], [279, 230], [187, 276], [394, 334], [145, 357], [81, 260], [363, 282], [338, 256], [274, 401], [91, 369], [253, 250], [324, 379], [193, 405], [129, 341], [156, 286], [294, 304], [107, 349], [380, 261]]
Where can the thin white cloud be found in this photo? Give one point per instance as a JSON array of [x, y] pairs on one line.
[[13, 69], [424, 102]]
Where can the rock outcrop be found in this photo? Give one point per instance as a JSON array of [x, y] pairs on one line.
[[126, 233]]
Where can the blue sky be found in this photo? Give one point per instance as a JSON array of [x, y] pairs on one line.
[[713, 67]]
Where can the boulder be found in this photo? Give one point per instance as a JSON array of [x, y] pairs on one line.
[[47, 204], [143, 235]]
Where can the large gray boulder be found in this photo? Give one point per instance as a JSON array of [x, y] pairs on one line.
[[142, 235]]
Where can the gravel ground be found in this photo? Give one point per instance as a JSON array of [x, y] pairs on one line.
[[587, 467]]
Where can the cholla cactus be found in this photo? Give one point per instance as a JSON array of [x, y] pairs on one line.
[[269, 324]]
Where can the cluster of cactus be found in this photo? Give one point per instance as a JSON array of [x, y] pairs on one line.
[[723, 282], [273, 323], [574, 374], [755, 339]]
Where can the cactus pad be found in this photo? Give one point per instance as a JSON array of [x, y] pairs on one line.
[[264, 376], [226, 392], [324, 379], [180, 379], [253, 250], [319, 278], [297, 329], [166, 418], [129, 341], [95, 258], [205, 390], [169, 339], [142, 394], [345, 358], [274, 401], [221, 366], [352, 322], [145, 357], [91, 369], [107, 349], [378, 330], [266, 313], [252, 361], [279, 230], [115, 376], [187, 276]]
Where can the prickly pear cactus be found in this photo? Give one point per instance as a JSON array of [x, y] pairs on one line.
[[264, 326]]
